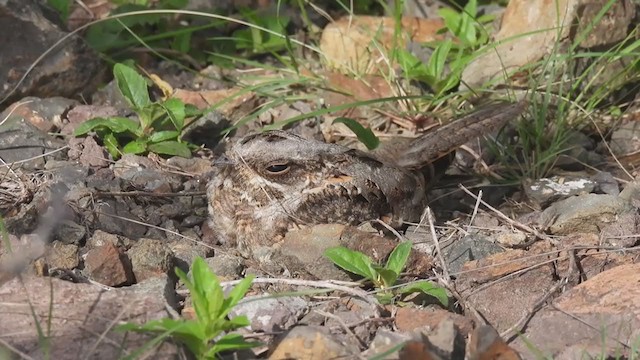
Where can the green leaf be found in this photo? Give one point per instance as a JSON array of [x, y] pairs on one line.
[[92, 124], [176, 110], [238, 293], [210, 295], [352, 261], [365, 135], [452, 19], [427, 288], [62, 7], [132, 86], [387, 277], [398, 257], [172, 148], [112, 145], [385, 297], [159, 136], [230, 342], [138, 146]]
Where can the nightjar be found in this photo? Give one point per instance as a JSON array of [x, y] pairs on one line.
[[268, 183]]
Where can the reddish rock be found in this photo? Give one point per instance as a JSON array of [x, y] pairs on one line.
[[109, 266], [409, 319]]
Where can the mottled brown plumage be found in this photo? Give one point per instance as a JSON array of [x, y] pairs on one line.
[[268, 183]]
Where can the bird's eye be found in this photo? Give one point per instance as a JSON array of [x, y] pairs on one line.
[[278, 168]]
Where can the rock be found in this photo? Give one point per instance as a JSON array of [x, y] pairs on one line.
[[81, 317], [271, 314], [69, 232], [623, 232], [109, 266], [599, 312], [511, 238], [194, 166], [20, 140], [547, 190], [30, 29], [185, 252], [348, 44], [625, 139], [63, 256], [44, 114], [611, 28], [606, 183], [151, 180], [150, 258], [384, 341], [409, 319], [87, 151], [470, 247], [225, 265], [502, 303], [310, 342], [532, 29], [101, 238], [112, 217], [584, 213]]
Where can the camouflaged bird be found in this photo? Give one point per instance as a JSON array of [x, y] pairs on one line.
[[271, 182]]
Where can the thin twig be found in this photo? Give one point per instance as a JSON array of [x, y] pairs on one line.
[[511, 222]]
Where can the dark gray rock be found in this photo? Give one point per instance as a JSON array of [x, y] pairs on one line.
[[28, 30], [226, 265], [470, 247], [45, 114], [20, 140], [68, 232]]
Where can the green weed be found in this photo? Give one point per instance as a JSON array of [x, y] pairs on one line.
[[385, 277], [203, 336], [159, 126]]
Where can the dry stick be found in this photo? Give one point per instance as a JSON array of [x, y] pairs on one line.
[[436, 243], [475, 208], [504, 217], [319, 284], [445, 271], [145, 193]]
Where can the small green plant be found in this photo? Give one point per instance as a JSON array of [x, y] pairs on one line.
[[445, 66], [385, 277], [159, 124], [203, 335]]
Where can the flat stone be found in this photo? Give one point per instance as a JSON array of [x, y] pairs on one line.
[[599, 312], [584, 213], [82, 317], [470, 247], [271, 314]]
